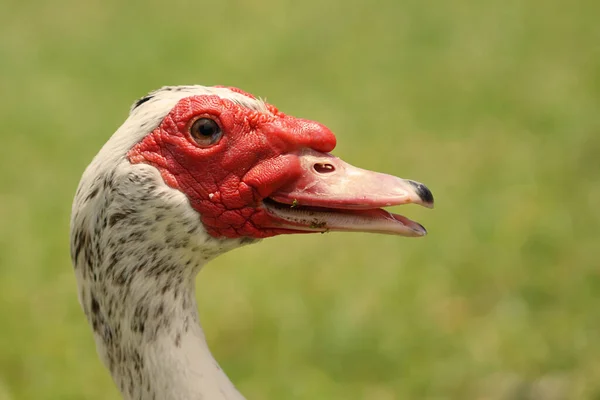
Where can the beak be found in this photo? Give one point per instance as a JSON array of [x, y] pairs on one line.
[[332, 195]]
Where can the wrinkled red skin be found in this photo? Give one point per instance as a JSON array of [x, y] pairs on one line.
[[249, 163]]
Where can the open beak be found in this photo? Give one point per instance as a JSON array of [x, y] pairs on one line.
[[332, 195]]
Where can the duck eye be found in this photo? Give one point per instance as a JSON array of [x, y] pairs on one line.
[[205, 132]]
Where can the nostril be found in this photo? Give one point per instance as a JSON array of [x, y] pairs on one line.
[[323, 168]]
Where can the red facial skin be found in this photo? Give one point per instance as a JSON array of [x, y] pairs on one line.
[[227, 181]]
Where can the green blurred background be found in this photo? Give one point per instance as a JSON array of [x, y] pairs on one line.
[[494, 104]]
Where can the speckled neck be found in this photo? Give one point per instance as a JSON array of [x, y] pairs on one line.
[[169, 359], [137, 246]]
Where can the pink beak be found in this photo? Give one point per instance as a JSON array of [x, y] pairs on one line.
[[332, 195]]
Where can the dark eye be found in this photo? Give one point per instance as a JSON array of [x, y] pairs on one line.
[[206, 132]]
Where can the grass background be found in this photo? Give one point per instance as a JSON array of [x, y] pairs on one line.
[[495, 105]]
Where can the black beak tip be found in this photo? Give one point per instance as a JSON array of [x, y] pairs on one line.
[[423, 192]]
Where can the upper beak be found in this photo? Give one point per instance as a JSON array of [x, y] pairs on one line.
[[328, 181]]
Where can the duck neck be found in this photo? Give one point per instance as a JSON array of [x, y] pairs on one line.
[[137, 247], [163, 352]]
